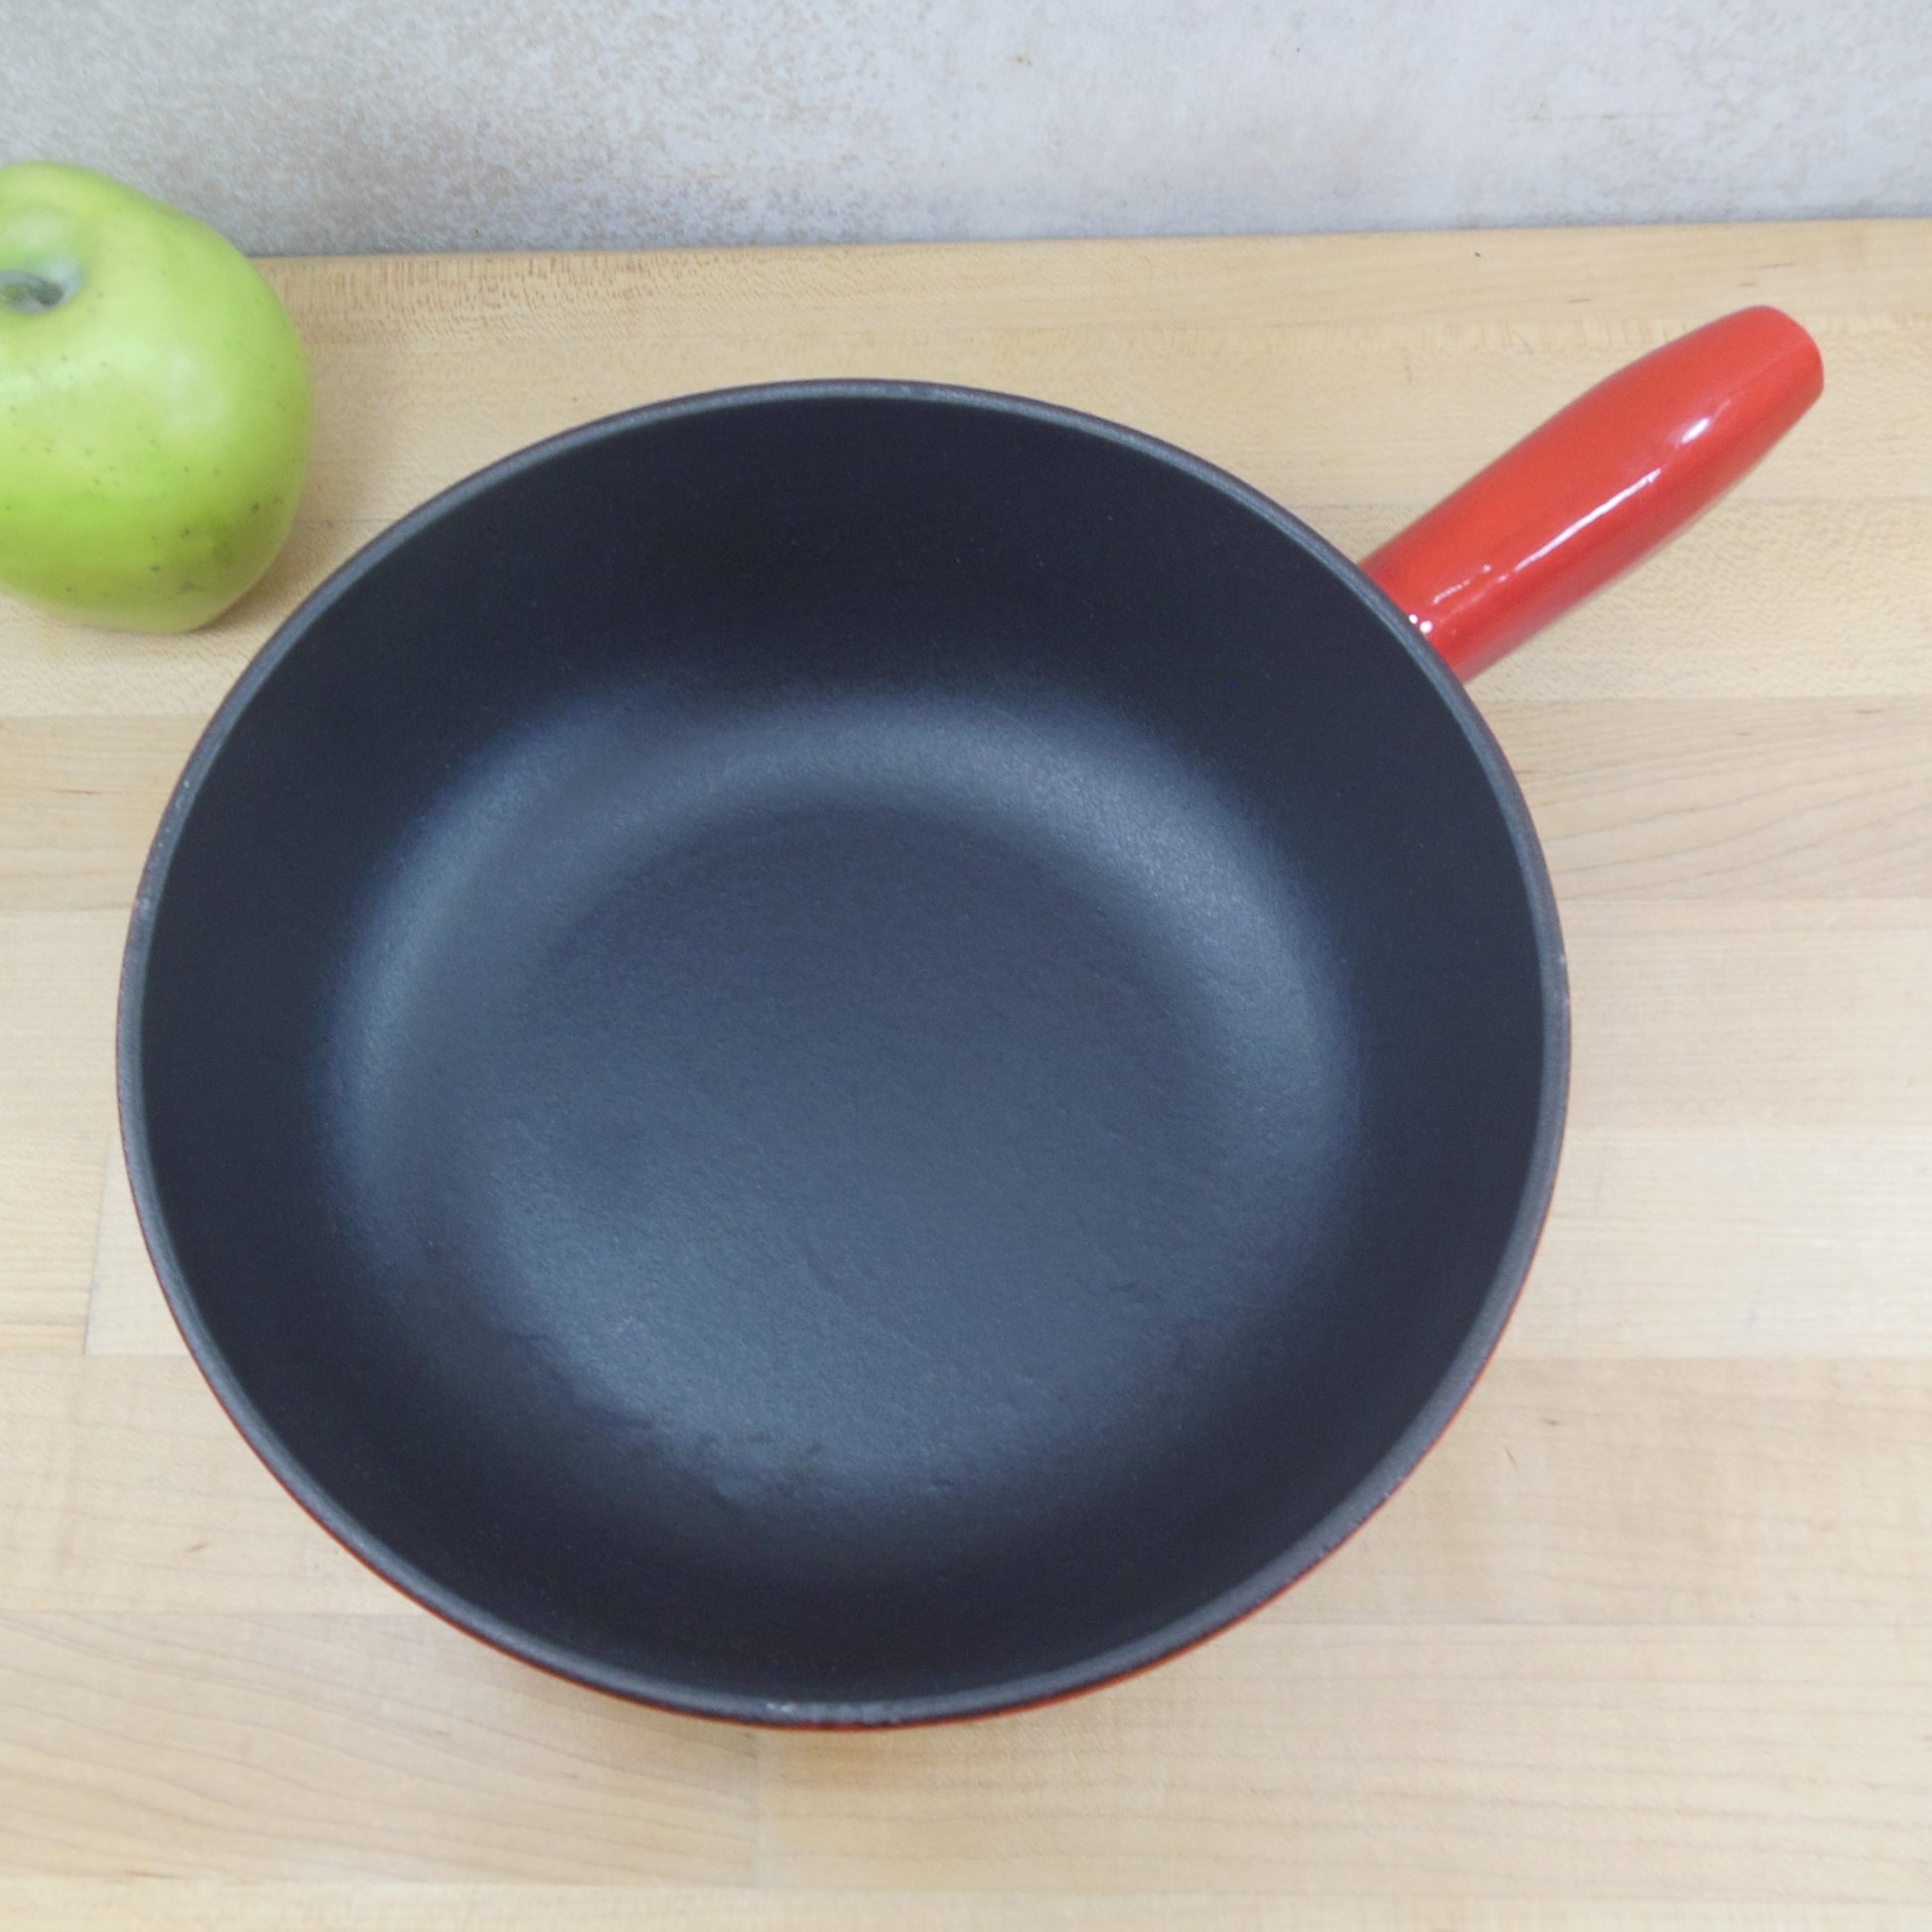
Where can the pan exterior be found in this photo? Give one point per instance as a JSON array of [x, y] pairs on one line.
[[844, 1053]]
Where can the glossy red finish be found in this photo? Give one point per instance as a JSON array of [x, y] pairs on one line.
[[1598, 487]]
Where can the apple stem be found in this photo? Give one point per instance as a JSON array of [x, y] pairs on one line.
[[29, 294]]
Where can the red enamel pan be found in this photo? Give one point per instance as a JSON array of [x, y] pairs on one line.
[[858, 1053]]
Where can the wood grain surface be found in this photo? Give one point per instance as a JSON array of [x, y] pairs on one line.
[[1647, 1643]]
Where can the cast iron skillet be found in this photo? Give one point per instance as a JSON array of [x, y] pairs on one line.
[[860, 1053]]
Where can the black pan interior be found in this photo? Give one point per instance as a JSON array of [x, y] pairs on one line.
[[843, 1052]]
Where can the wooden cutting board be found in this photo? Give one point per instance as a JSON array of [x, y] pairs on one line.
[[1647, 1641]]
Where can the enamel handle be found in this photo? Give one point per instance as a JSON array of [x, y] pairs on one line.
[[1598, 487]]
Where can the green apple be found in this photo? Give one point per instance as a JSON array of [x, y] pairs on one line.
[[154, 406]]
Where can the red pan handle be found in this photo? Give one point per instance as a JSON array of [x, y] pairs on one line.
[[1598, 487]]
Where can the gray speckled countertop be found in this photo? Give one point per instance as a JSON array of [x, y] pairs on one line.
[[352, 125]]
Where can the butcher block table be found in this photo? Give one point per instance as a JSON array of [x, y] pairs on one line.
[[1648, 1640]]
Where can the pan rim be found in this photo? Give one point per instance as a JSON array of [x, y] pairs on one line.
[[1103, 1667]]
